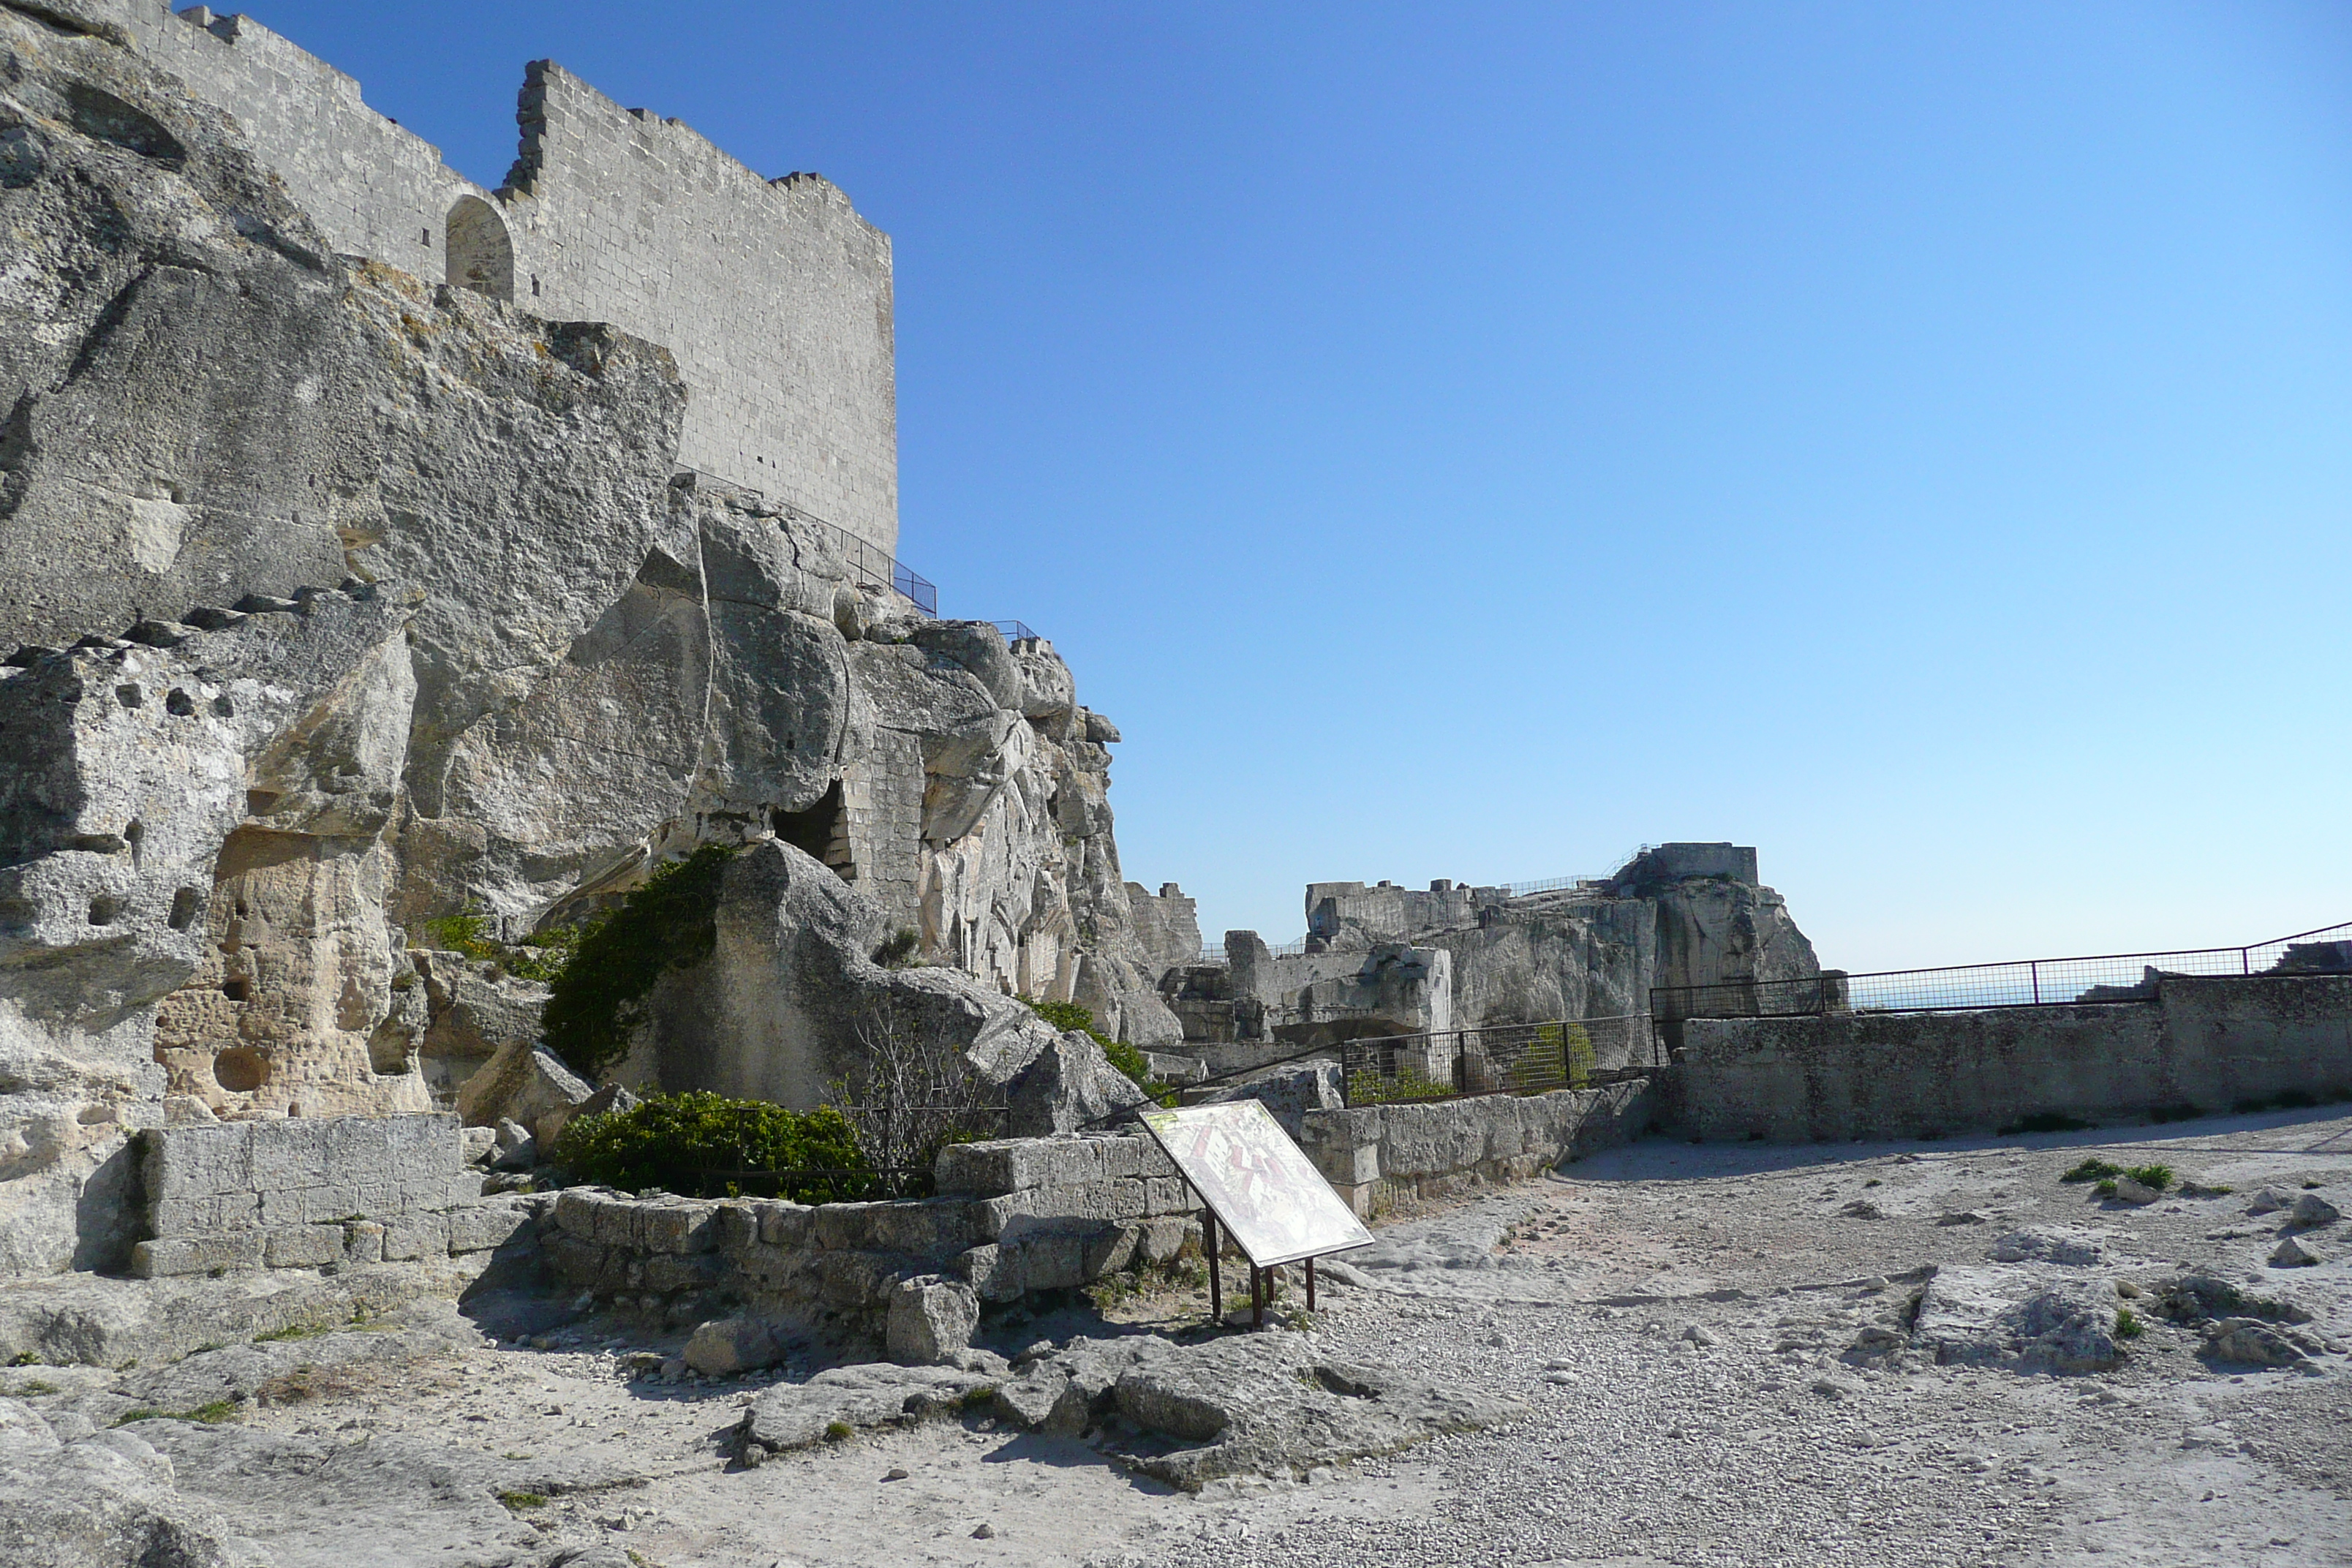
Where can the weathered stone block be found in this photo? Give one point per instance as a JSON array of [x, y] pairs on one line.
[[930, 1319], [1134, 1155], [1008, 1165], [785, 1224], [305, 1247], [229, 1249], [668, 1271], [364, 1241], [575, 1211], [1167, 1194], [477, 1227], [1164, 1239], [680, 1227], [575, 1260], [415, 1236]]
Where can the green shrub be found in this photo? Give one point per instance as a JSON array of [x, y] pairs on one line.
[[1366, 1087], [671, 1141], [2106, 1189], [2093, 1169], [517, 1501], [541, 956], [898, 950], [670, 921], [2155, 1177], [2127, 1324]]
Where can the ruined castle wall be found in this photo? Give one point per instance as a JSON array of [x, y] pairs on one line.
[[375, 189], [775, 296], [2207, 1043]]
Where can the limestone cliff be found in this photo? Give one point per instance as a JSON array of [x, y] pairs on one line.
[[573, 665]]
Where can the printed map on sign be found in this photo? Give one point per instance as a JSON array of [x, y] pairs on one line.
[[1259, 1184]]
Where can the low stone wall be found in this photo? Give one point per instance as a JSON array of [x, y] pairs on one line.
[[306, 1192], [1011, 1216], [1375, 1155], [2207, 1043]]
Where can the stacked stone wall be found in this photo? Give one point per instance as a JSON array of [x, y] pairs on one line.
[[2210, 1044], [1011, 1216], [1376, 1155], [313, 1192]]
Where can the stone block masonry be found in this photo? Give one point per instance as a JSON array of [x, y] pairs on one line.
[[1375, 1155], [774, 297], [309, 1192], [2207, 1043], [1011, 1216]]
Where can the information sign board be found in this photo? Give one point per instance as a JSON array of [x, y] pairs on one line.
[[1259, 1184]]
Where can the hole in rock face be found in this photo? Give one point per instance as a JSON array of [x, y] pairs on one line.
[[240, 1070], [820, 831], [186, 904], [179, 703], [129, 695], [235, 989], [105, 910], [223, 707], [108, 118]]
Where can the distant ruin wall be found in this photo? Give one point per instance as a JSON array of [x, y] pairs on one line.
[[2210, 1044], [1375, 1155], [773, 296]]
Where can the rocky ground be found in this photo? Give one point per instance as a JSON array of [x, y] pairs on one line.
[[1670, 1354]]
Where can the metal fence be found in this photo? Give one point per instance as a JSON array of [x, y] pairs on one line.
[[1497, 1059], [2025, 982], [1215, 951], [1014, 631]]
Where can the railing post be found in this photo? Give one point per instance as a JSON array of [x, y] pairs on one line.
[[2036, 970]]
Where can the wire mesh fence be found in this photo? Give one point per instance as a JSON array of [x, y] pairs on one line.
[[1495, 1058], [2024, 983]]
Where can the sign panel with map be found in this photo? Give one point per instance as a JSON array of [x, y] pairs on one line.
[[1259, 1184]]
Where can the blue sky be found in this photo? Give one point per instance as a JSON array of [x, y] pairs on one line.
[[1472, 441]]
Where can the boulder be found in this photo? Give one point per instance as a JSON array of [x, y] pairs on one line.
[[1068, 1086], [2131, 1192], [839, 1400], [2291, 1253], [2270, 1200], [2051, 1243], [2312, 1211], [2024, 1320], [611, 1098], [729, 1347], [1289, 1092], [931, 1319], [2253, 1342]]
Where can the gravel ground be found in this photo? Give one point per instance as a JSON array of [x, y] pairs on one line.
[[1680, 1315]]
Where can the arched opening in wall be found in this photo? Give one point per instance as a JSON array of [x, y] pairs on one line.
[[821, 830], [481, 256]]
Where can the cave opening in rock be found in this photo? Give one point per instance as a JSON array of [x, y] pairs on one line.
[[821, 830]]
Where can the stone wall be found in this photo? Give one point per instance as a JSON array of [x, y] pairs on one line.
[[774, 296], [1166, 926], [2207, 1043], [311, 1192], [1375, 1155], [1011, 1216]]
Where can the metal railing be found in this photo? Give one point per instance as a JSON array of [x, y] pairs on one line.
[[2024, 983], [1014, 631], [1495, 1058], [874, 567], [1215, 951]]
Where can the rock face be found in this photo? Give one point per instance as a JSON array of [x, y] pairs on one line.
[[2019, 1319], [225, 809]]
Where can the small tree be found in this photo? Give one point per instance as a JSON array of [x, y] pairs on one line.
[[911, 1091]]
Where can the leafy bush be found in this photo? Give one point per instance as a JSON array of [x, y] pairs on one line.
[[2127, 1324], [671, 1141], [2106, 1189], [541, 956], [2092, 1171], [670, 921], [898, 950], [1366, 1087], [2153, 1177]]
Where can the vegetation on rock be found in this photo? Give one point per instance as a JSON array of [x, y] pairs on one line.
[[670, 921]]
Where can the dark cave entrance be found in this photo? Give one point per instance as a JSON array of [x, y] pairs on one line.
[[821, 830]]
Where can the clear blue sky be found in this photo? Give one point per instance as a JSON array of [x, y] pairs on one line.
[[1471, 441]]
